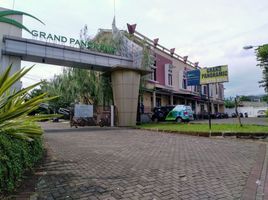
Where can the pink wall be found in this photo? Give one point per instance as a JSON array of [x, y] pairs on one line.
[[160, 70]]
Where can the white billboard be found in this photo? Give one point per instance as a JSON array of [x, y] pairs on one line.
[[83, 110]]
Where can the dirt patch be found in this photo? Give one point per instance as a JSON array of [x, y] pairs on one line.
[[27, 186]]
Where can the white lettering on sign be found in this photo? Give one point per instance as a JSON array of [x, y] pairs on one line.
[[83, 110]]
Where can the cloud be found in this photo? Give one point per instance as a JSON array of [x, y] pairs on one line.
[[157, 14], [211, 32]]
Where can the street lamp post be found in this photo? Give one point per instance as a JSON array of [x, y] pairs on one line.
[[248, 47]]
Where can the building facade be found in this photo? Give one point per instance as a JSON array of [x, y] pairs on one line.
[[253, 109], [167, 84]]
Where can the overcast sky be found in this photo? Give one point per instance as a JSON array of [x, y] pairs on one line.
[[211, 32]]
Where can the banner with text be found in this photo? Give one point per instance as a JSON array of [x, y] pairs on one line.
[[193, 77], [216, 74]]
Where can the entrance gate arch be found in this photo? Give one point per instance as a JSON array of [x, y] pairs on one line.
[[125, 77]]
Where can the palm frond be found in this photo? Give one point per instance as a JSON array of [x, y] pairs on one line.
[[15, 12], [15, 107]]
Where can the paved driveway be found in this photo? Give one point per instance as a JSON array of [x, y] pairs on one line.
[[135, 164]]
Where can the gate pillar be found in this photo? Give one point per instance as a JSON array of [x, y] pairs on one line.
[[5, 61], [125, 84]]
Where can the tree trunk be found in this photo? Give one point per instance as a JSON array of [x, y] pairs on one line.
[[237, 114]]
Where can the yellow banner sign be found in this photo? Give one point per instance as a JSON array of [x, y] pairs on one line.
[[216, 74]]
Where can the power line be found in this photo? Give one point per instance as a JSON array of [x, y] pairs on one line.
[[33, 79], [114, 8], [13, 5], [34, 76]]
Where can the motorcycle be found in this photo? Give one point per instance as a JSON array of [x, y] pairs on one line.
[[105, 121]]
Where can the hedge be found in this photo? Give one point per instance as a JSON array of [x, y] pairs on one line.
[[16, 157]]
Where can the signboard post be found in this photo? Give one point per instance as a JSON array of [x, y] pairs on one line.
[[209, 111], [205, 76], [209, 75]]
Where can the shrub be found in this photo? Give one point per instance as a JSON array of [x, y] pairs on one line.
[[17, 156], [20, 135]]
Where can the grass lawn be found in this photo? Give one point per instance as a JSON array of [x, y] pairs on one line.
[[204, 128]]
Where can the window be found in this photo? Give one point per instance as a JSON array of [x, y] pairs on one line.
[[205, 89], [153, 68], [199, 88], [184, 80], [211, 91], [158, 101], [221, 88], [184, 83], [168, 75], [169, 79], [153, 74], [202, 108], [216, 86]]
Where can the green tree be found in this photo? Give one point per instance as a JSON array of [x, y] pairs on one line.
[[59, 86], [73, 85], [265, 98], [229, 103], [244, 98], [262, 58]]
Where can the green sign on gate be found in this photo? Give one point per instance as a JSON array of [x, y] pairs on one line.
[[104, 48], [5, 19], [75, 42]]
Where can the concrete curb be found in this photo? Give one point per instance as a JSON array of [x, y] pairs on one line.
[[265, 192], [81, 129], [242, 135], [250, 189]]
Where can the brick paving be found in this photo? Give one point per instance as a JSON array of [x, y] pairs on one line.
[[135, 164], [263, 176], [253, 188]]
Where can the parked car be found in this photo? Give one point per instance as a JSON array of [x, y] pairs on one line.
[[219, 115], [261, 113], [180, 113], [42, 109], [213, 115], [241, 115], [225, 115], [64, 112], [234, 115], [200, 116], [160, 113]]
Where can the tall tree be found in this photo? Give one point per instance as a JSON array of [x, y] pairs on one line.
[[81, 85], [229, 103], [237, 101], [74, 85], [245, 98], [265, 98], [262, 58]]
